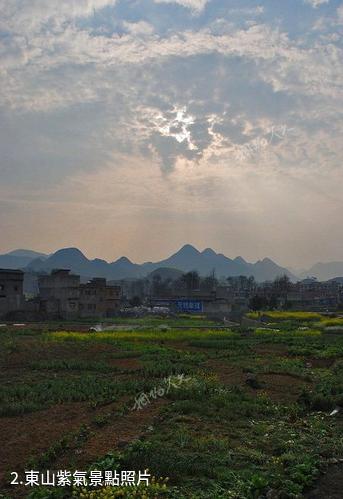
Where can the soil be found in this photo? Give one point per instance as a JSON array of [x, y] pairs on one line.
[[271, 349], [129, 364], [330, 485], [229, 375], [282, 387], [279, 387], [117, 434], [320, 363], [31, 434]]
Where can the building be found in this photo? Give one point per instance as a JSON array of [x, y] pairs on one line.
[[310, 294], [63, 296], [217, 302], [97, 299], [11, 291], [59, 294]]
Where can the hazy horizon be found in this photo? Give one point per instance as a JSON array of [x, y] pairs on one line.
[[167, 255], [132, 128]]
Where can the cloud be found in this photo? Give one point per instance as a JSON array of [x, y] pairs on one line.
[[195, 5], [191, 116], [99, 95], [35, 15], [30, 68], [340, 14], [139, 28], [316, 3]]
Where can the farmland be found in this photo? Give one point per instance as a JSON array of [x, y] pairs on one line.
[[240, 413]]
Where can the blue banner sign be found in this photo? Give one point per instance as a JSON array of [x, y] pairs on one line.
[[189, 305]]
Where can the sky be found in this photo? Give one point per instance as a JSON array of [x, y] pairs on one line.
[[132, 127]]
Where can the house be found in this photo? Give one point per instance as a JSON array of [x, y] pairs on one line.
[[11, 291], [63, 296], [59, 294], [97, 299], [310, 294], [216, 302]]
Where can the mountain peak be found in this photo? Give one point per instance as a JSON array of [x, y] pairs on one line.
[[71, 253], [209, 252], [267, 261], [239, 259], [123, 260], [189, 249]]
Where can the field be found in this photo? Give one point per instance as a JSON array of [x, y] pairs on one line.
[[211, 413]]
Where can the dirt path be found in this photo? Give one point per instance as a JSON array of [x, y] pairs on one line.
[[31, 434], [117, 434]]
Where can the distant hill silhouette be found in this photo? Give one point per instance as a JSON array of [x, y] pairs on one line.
[[189, 258], [18, 259], [325, 271], [27, 253], [74, 259], [186, 259], [339, 280]]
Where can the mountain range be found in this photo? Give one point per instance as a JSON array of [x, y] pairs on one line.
[[325, 271], [19, 259], [186, 259]]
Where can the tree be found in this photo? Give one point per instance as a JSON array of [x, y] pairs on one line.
[[272, 302], [156, 284], [282, 285], [161, 288], [258, 303], [191, 280], [135, 301], [210, 282]]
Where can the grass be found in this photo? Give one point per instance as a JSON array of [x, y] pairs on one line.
[[286, 315], [213, 436], [29, 397], [298, 332], [261, 449], [325, 322], [327, 393], [181, 320], [71, 440], [72, 365], [141, 336]]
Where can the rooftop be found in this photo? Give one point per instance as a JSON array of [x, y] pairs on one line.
[[12, 271]]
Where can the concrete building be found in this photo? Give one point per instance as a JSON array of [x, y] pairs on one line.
[[63, 296], [217, 302], [59, 294], [11, 291], [310, 294], [97, 299]]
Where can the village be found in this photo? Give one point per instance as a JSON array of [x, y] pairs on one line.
[[62, 295]]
